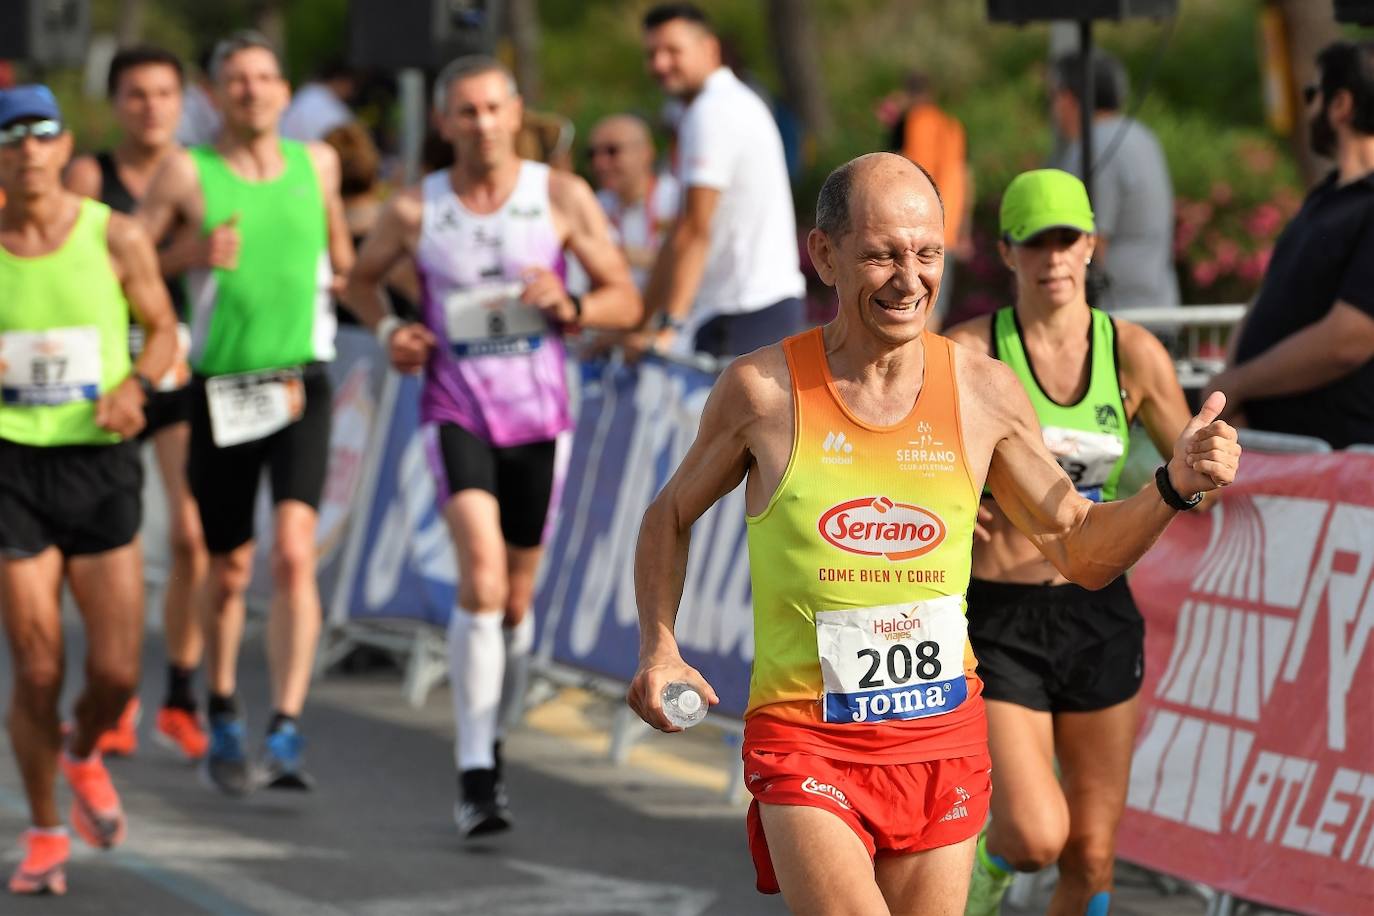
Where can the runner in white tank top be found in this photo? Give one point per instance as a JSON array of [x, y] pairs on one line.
[[488, 238]]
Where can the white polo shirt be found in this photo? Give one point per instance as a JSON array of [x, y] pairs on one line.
[[727, 140]]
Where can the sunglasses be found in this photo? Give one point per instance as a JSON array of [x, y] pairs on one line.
[[1309, 93], [1056, 238], [610, 150], [46, 130]]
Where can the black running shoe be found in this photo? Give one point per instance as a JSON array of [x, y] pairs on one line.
[[483, 808]]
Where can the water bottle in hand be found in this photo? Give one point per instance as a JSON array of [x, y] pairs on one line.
[[683, 706]]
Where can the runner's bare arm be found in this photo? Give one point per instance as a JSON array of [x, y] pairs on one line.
[[1151, 381], [681, 261], [717, 461], [83, 177], [975, 334], [135, 262], [173, 206], [1089, 543], [174, 189], [613, 301], [341, 255], [389, 244]]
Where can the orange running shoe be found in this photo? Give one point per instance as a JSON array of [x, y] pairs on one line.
[[43, 870], [122, 740], [181, 731], [97, 815]]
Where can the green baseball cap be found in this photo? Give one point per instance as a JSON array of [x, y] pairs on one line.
[[1045, 199]]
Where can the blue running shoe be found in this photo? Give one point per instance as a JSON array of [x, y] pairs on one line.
[[226, 766], [281, 760]]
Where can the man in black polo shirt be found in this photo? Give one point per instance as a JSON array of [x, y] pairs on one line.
[[1304, 362]]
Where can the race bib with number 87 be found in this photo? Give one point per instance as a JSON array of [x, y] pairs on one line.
[[899, 661], [254, 405], [45, 368]]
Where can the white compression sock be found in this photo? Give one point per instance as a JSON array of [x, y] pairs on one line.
[[476, 666], [519, 642]]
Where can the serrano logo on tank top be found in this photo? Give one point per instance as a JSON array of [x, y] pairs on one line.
[[875, 526]]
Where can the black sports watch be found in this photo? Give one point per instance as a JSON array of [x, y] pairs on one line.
[[1171, 497], [145, 385]]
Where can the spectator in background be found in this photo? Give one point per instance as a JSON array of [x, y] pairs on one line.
[[360, 165], [1304, 358], [1132, 195], [727, 279], [321, 104], [200, 119], [935, 139], [640, 204]]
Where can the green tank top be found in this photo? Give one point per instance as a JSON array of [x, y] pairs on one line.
[[274, 309], [64, 336], [1090, 437]]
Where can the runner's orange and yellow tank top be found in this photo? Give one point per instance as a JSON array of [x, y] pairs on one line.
[[859, 565]]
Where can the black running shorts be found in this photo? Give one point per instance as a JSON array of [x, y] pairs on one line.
[[521, 477], [164, 409], [224, 481], [81, 499], [1057, 648]]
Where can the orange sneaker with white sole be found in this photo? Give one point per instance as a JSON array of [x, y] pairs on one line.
[[181, 731], [97, 816], [122, 740], [43, 870]]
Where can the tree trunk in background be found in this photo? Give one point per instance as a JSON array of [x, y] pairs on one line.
[[522, 27], [129, 23], [1310, 26], [269, 18], [792, 29]]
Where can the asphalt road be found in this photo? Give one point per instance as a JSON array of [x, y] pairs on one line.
[[654, 836]]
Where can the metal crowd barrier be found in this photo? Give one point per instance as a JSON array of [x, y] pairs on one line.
[[1198, 336]]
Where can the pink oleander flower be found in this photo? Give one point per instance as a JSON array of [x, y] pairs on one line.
[[1227, 254], [1205, 273], [1264, 221]]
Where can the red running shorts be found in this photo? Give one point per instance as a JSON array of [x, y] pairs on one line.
[[895, 809]]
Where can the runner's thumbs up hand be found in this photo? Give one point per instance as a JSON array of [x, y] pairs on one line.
[[221, 246], [1206, 454]]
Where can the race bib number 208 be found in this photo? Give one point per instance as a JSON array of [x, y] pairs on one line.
[[899, 661]]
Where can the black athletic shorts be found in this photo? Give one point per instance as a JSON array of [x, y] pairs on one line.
[[81, 499], [164, 409], [1057, 648], [521, 477], [224, 481]]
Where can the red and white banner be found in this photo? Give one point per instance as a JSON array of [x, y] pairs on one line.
[[1254, 770]]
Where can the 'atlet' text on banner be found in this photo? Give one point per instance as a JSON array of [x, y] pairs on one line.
[[1254, 769]]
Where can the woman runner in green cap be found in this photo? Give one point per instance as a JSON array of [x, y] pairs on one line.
[[1061, 665]]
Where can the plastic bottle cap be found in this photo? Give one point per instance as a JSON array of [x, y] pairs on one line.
[[689, 702]]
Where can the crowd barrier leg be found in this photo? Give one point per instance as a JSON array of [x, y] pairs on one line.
[[627, 730], [1221, 905], [427, 666], [736, 792]]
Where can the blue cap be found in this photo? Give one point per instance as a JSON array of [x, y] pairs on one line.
[[32, 101]]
